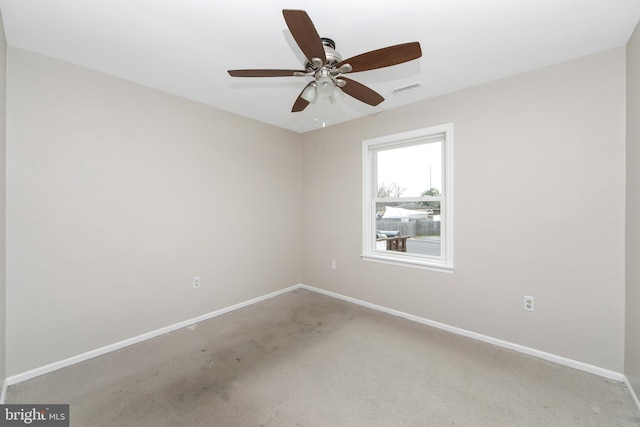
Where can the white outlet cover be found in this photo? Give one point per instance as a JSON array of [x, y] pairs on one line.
[[529, 303]]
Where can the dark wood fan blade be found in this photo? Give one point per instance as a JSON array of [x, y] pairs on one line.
[[361, 92], [384, 57], [300, 103], [265, 73], [305, 34]]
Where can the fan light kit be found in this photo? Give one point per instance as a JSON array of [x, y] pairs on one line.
[[326, 66]]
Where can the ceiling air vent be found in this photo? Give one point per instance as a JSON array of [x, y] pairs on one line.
[[408, 88]]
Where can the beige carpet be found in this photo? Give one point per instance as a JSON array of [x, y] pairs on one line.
[[305, 359]]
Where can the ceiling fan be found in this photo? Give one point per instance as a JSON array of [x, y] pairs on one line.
[[327, 67]]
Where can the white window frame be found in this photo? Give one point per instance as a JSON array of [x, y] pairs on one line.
[[369, 197]]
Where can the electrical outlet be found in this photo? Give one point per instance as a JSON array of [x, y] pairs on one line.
[[334, 264], [196, 282], [529, 303]]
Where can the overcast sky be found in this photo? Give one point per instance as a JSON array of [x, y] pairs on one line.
[[416, 168]]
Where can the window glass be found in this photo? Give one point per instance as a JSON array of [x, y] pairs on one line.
[[410, 171], [417, 221]]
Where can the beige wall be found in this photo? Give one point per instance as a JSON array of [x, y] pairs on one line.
[[118, 194], [3, 85], [539, 210], [632, 349]]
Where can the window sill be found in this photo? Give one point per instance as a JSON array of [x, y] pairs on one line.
[[405, 262]]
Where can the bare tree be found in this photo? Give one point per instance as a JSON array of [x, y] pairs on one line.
[[392, 190]]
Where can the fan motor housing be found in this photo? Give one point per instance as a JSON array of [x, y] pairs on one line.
[[333, 57]]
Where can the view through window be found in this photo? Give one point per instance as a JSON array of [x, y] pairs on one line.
[[409, 185]]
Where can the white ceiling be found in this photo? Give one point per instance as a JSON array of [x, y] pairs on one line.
[[186, 47]]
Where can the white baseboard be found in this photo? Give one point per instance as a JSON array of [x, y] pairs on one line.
[[616, 376], [14, 379], [632, 392], [3, 395]]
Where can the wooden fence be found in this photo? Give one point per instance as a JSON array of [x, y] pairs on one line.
[[412, 228]]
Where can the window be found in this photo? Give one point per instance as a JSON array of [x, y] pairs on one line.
[[408, 198]]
